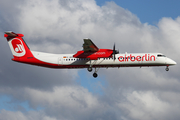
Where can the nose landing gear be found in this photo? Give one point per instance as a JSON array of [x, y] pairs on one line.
[[167, 68]]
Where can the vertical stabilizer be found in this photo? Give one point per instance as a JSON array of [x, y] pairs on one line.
[[19, 48]]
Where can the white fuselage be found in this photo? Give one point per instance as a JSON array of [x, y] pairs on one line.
[[122, 60]]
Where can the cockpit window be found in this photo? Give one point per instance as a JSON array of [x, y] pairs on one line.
[[159, 55]]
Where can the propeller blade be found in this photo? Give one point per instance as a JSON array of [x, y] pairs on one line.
[[114, 52], [114, 57], [114, 47]]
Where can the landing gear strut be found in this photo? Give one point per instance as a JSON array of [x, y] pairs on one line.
[[90, 70], [90, 67], [167, 68], [95, 73]]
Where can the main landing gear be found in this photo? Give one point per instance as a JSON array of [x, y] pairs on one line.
[[95, 72], [167, 68], [95, 75], [90, 69]]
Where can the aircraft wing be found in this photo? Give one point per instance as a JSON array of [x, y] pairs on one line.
[[89, 46], [91, 51]]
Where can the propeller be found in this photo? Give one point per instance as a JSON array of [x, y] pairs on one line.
[[114, 52]]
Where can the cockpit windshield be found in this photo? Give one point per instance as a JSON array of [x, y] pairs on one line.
[[160, 55]]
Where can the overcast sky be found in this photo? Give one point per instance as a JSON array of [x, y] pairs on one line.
[[59, 26]]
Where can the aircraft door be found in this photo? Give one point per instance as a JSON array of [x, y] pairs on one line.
[[60, 60]]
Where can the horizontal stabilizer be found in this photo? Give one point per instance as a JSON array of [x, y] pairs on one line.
[[12, 34]]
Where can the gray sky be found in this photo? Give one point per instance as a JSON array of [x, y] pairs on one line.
[[58, 26]]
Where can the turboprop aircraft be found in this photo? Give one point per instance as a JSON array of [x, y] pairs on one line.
[[90, 57]]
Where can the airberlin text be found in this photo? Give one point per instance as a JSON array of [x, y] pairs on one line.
[[146, 57]]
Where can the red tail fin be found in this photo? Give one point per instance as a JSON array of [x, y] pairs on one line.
[[19, 49]]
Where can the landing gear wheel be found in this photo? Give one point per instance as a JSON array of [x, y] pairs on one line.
[[167, 69], [89, 69], [95, 75]]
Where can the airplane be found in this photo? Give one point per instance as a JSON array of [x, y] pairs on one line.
[[90, 57]]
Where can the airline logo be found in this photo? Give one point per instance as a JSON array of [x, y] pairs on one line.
[[146, 57], [17, 47]]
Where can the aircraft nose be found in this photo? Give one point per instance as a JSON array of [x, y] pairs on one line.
[[171, 62]]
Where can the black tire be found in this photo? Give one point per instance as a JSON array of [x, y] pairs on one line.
[[167, 69], [95, 75]]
